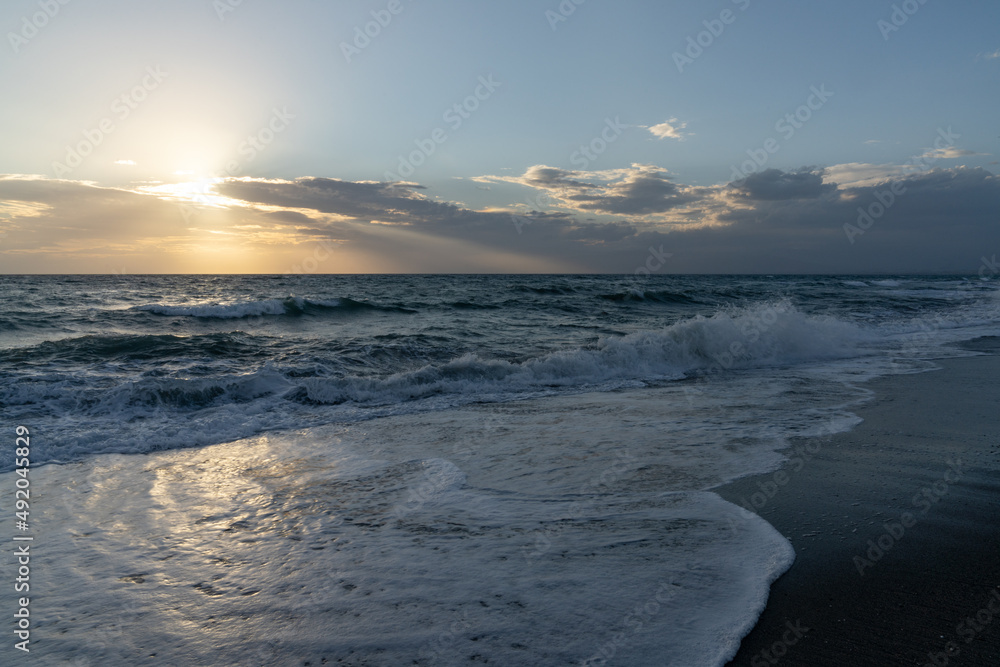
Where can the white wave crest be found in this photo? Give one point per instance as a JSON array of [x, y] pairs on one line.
[[226, 310], [761, 335]]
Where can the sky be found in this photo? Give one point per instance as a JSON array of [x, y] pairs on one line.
[[538, 136]]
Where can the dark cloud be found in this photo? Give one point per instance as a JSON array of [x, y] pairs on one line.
[[361, 200], [290, 217], [638, 190], [551, 178], [386, 202], [940, 221], [943, 220], [400, 204], [541, 235], [639, 193], [776, 185]]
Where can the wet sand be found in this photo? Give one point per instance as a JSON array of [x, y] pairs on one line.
[[896, 528]]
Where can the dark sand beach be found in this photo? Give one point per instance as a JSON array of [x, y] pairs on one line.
[[896, 528]]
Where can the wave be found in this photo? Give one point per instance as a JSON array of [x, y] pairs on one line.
[[127, 347], [762, 335], [635, 294], [553, 289], [888, 282], [292, 305], [774, 334], [96, 413], [185, 394], [467, 305]]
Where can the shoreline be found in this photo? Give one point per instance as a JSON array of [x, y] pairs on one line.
[[895, 529]]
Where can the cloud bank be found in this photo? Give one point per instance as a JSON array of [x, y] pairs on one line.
[[773, 221]]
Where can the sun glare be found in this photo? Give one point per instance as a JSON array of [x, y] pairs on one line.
[[195, 190]]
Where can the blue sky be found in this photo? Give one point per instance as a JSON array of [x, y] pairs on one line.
[[181, 87]]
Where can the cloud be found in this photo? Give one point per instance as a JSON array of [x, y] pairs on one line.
[[773, 184], [859, 174], [774, 221], [71, 226], [550, 178], [943, 221], [558, 240], [644, 190], [795, 221], [949, 153], [670, 129], [639, 190], [989, 55]]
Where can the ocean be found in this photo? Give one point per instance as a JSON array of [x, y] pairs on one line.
[[473, 469]]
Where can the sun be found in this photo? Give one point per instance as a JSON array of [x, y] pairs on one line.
[[192, 189]]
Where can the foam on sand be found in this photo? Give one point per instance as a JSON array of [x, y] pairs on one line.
[[534, 536]]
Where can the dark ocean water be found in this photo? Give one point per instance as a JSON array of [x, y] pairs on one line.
[[99, 364]]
